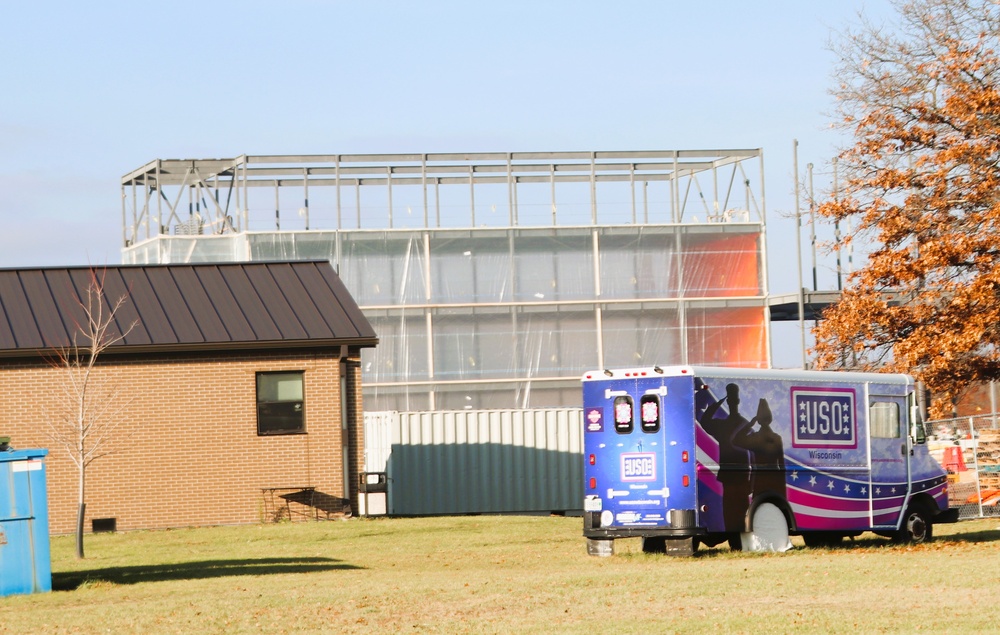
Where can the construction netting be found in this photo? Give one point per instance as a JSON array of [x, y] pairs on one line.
[[510, 318], [969, 449]]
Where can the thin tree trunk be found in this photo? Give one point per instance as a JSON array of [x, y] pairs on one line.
[[81, 511]]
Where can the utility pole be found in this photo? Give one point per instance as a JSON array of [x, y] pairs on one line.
[[812, 226], [798, 252]]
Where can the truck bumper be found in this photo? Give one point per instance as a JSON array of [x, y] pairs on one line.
[[680, 523], [949, 515]]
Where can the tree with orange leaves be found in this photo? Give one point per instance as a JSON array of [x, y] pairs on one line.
[[923, 187]]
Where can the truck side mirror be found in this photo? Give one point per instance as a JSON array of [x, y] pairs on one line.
[[917, 426]]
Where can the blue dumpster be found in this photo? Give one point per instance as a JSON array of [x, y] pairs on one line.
[[25, 565]]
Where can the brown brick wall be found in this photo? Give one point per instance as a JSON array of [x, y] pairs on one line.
[[355, 418], [190, 451]]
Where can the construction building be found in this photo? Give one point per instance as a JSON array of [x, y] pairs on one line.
[[493, 280]]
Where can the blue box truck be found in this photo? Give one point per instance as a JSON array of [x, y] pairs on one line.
[[685, 456]]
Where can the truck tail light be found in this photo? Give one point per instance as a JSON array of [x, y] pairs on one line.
[[593, 460], [686, 480], [684, 456], [593, 483]]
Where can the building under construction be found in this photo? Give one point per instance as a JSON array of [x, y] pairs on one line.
[[493, 280]]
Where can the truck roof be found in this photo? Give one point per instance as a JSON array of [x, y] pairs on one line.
[[750, 373]]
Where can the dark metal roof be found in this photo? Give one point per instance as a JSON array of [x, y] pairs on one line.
[[185, 307], [786, 307]]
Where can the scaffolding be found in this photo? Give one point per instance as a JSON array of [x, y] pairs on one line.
[[494, 280]]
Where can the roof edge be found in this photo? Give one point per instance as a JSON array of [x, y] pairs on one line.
[[209, 347]]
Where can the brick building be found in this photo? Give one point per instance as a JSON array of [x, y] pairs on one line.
[[239, 390]]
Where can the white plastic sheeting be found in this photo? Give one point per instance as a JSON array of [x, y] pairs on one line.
[[524, 311], [497, 318]]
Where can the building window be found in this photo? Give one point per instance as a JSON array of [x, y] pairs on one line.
[[280, 403]]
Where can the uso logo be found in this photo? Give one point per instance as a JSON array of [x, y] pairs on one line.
[[823, 418], [638, 466]]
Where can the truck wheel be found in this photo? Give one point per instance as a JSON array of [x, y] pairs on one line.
[[916, 527], [770, 530], [670, 546], [600, 548]]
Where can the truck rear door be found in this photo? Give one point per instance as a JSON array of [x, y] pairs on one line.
[[631, 440]]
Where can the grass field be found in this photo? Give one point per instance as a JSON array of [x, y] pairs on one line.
[[513, 574]]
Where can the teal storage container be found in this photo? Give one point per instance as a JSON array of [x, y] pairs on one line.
[[25, 563]]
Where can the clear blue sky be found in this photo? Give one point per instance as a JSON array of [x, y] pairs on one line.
[[90, 91]]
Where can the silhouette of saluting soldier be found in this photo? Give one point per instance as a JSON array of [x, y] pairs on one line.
[[767, 453], [734, 461], [740, 447]]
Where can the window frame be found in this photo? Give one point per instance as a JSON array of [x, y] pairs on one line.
[[261, 404]]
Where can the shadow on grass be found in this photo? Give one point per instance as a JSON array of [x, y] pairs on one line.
[[990, 535], [873, 541], [867, 541], [71, 580]]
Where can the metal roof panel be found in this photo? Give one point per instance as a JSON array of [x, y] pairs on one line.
[[127, 319], [214, 306], [43, 309], [249, 303], [20, 321], [152, 315], [210, 324], [220, 298], [295, 292], [281, 313], [332, 311]]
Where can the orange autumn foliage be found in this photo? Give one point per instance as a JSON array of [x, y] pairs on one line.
[[923, 186]]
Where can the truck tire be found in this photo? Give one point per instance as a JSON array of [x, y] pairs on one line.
[[670, 546], [770, 530], [600, 548], [916, 528]]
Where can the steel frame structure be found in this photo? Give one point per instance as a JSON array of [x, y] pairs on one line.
[[502, 197], [218, 191]]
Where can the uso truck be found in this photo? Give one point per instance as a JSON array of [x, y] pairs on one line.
[[684, 455]]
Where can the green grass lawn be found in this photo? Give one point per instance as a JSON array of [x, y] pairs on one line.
[[492, 574]]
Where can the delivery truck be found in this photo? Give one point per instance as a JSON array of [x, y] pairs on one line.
[[684, 456]]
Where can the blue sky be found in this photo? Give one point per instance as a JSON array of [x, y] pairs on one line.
[[91, 91]]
